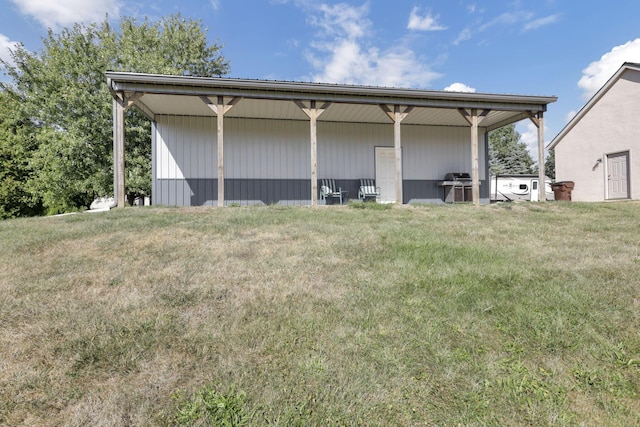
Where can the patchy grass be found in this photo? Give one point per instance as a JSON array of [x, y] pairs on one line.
[[509, 314]]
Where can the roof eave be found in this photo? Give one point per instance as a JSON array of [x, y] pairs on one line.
[[213, 86], [594, 99]]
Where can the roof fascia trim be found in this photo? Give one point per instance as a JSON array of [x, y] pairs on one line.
[[177, 85]]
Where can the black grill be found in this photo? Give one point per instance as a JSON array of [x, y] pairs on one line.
[[457, 187], [458, 176]]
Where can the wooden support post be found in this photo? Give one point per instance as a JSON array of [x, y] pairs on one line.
[[313, 140], [313, 112], [118, 153], [538, 120], [220, 109], [475, 173], [397, 145], [474, 119], [220, 143], [542, 188], [121, 102], [397, 116]]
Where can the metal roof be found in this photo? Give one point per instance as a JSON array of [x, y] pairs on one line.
[[181, 95]]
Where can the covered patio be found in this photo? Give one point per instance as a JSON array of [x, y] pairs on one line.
[[218, 101]]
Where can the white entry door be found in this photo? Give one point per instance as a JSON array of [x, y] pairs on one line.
[[618, 177], [535, 192], [386, 174]]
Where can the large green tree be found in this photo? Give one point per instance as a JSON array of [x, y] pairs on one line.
[[507, 154], [64, 94], [17, 141]]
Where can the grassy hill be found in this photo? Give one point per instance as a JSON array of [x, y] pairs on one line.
[[516, 314]]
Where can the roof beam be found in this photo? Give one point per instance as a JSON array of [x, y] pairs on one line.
[[534, 117], [312, 109], [468, 116], [506, 122], [391, 113], [220, 106], [126, 100], [144, 109]]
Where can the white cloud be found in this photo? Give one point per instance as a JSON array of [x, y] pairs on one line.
[[459, 87], [343, 51], [521, 19], [5, 46], [570, 115], [342, 20], [215, 4], [541, 22], [508, 19], [598, 72], [529, 135], [423, 23], [59, 13], [463, 36]]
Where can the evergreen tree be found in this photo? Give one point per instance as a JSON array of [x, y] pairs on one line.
[[550, 165], [507, 154]]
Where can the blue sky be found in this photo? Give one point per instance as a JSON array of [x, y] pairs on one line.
[[547, 47]]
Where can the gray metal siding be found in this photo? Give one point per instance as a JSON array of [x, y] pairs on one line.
[[430, 152], [186, 192], [346, 150], [266, 149], [268, 161]]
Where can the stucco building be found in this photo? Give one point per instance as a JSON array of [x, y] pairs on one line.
[[599, 149]]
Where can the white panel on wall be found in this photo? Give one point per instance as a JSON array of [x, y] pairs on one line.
[[166, 149], [186, 147], [268, 149]]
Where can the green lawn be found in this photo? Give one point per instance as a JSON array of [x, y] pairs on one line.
[[510, 314]]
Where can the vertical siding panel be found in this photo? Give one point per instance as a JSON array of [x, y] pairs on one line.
[[229, 150], [171, 135], [154, 149], [162, 152], [212, 154], [176, 147], [276, 154], [173, 147], [201, 143], [260, 158], [251, 156], [429, 153], [182, 142]]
